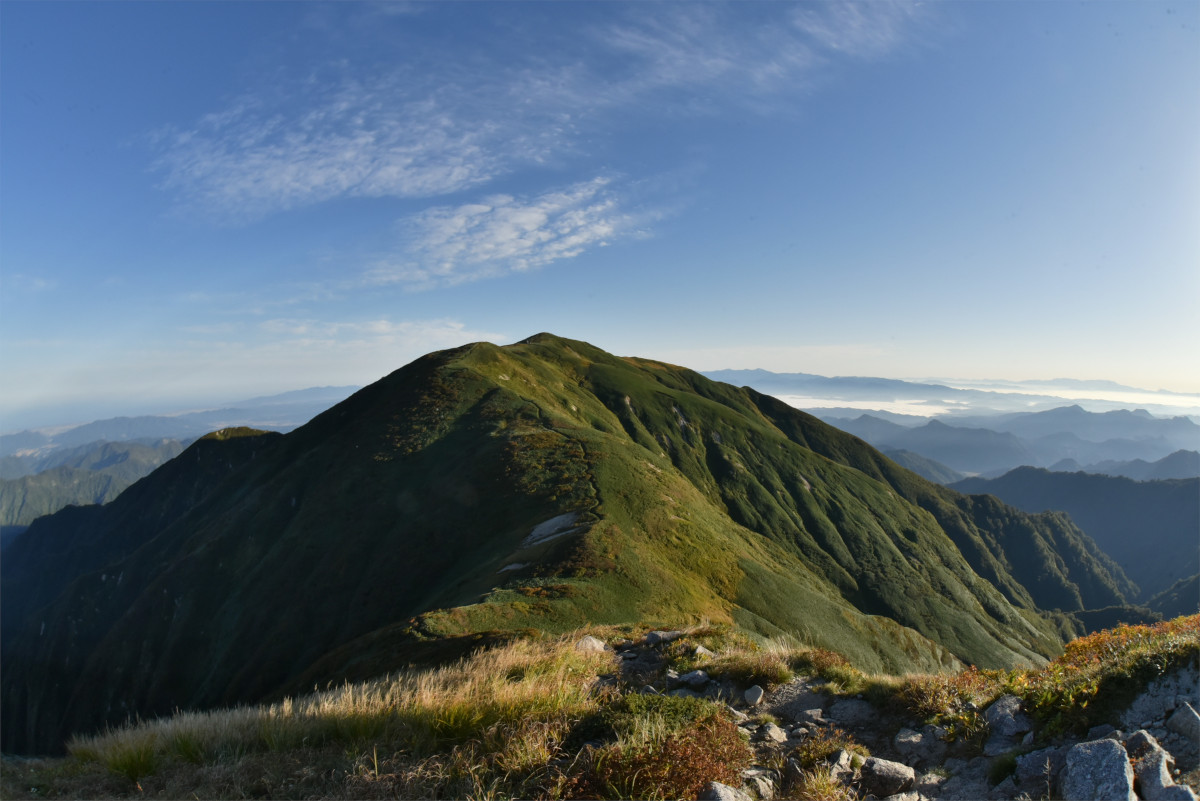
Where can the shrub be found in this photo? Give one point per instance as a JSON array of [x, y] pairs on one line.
[[676, 765], [824, 743]]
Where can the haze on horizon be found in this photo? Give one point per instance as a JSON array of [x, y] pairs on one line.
[[208, 201]]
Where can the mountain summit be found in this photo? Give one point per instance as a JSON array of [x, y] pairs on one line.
[[487, 490]]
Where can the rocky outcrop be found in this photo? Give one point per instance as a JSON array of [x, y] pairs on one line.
[[913, 762], [1098, 771]]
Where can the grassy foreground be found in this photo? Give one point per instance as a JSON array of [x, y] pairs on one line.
[[534, 719]]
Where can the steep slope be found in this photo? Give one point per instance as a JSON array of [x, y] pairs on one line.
[[541, 485], [1148, 527], [96, 473]]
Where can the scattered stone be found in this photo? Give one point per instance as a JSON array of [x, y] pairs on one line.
[[1038, 772], [738, 715], [715, 791], [754, 695], [1185, 721], [1005, 790], [1005, 718], [1098, 732], [702, 652], [591, 644], [761, 781], [921, 746], [841, 765], [769, 732], [694, 678], [1152, 775], [1097, 771], [813, 717], [882, 777], [662, 637]]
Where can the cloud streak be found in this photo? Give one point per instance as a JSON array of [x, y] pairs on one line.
[[409, 132], [502, 234]]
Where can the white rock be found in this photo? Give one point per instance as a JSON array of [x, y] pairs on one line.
[[590, 643], [754, 695]]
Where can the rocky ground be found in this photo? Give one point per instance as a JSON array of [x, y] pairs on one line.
[[1154, 756]]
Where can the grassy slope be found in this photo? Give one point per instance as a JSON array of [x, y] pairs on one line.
[[512, 722], [384, 524]]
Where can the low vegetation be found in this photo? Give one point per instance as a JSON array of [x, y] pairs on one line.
[[537, 718]]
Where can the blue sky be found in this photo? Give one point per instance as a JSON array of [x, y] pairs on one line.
[[208, 201]]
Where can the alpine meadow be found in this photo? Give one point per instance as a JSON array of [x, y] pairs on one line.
[[857, 457]]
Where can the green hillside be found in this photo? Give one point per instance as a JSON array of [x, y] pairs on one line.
[[486, 490]]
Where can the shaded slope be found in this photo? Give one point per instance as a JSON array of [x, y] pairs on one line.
[[1148, 527], [406, 514]]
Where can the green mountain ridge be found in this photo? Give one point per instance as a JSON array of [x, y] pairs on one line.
[[487, 490]]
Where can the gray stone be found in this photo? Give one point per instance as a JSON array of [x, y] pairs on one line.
[[1152, 775], [661, 637], [1176, 792], [882, 777], [703, 653], [694, 679], [1005, 790], [761, 782], [1185, 721], [1097, 771], [738, 715], [923, 746], [812, 717], [715, 791], [1005, 718], [770, 733], [754, 695], [851, 712], [590, 643], [1038, 772], [841, 764]]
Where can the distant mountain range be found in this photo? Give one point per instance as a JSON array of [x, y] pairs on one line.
[[273, 413], [1010, 441], [487, 489], [44, 471]]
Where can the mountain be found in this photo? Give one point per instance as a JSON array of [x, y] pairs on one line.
[[1182, 595], [89, 474], [1180, 464], [275, 412], [487, 489], [1151, 528], [926, 468]]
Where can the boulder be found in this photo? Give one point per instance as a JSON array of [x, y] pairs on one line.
[[841, 765], [590, 643], [1185, 721], [694, 679], [662, 637], [1152, 775], [715, 791], [1037, 772], [1097, 771], [882, 777], [1176, 792], [770, 733], [921, 746], [1005, 718], [754, 695], [761, 782]]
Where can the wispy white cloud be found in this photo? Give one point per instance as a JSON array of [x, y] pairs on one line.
[[501, 234], [449, 126]]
